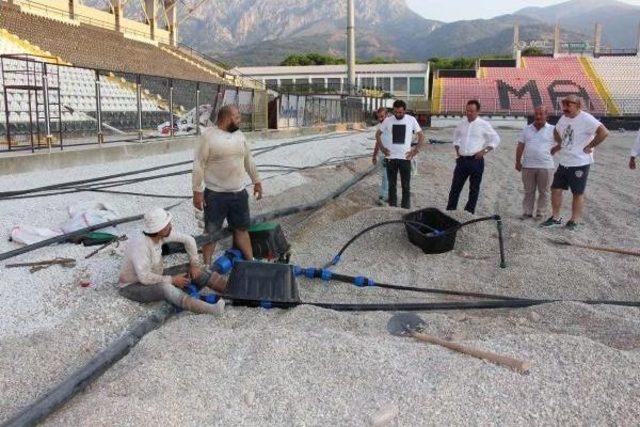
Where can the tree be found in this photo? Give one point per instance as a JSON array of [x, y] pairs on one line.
[[532, 51], [311, 59]]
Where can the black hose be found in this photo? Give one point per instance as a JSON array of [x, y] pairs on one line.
[[80, 379], [6, 194], [65, 237], [10, 194], [119, 183], [352, 280], [433, 233]]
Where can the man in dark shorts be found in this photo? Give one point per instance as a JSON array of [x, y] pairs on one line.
[[577, 134], [222, 158]]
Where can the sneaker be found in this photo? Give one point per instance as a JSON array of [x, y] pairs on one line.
[[571, 225], [552, 222]]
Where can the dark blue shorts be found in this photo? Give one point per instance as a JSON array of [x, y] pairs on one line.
[[574, 178], [234, 207]]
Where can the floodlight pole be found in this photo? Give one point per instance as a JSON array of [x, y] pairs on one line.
[[351, 46]]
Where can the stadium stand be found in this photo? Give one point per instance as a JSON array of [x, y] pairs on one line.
[[77, 95], [77, 44], [620, 77], [504, 90]]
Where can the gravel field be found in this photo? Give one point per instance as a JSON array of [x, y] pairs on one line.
[[310, 366]]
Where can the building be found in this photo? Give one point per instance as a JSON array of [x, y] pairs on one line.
[[408, 81]]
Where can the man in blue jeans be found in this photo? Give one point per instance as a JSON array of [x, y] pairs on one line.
[[398, 152], [473, 139], [221, 160], [383, 188]]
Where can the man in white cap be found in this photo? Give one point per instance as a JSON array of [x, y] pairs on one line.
[[577, 134], [141, 277], [635, 152]]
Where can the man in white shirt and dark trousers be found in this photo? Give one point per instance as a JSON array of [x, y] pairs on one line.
[[398, 151], [535, 162], [222, 159], [473, 138], [577, 134], [635, 152]]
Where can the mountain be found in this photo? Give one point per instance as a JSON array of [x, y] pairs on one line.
[[264, 32], [619, 20]]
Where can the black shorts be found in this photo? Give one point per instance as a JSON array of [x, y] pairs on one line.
[[574, 178], [234, 207]]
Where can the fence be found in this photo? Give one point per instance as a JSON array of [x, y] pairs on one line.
[[312, 110], [456, 106], [47, 104]]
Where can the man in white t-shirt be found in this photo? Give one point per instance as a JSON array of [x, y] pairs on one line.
[[577, 134], [535, 162], [635, 152], [472, 139], [398, 151], [383, 188]]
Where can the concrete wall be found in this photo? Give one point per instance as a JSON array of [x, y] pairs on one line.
[[15, 163]]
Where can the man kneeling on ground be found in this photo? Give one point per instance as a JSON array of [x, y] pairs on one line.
[[141, 277]]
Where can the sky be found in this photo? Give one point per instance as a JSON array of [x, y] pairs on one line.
[[455, 10]]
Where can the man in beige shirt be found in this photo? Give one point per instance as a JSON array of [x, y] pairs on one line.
[[222, 158]]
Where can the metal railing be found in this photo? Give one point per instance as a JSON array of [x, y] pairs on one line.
[[456, 106], [117, 107], [96, 22], [94, 106]]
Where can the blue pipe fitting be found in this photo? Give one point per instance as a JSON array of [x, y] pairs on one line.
[[298, 271], [223, 265], [192, 290], [326, 274], [211, 298], [234, 254], [360, 281], [310, 273]]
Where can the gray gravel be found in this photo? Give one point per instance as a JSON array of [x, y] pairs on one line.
[[310, 366]]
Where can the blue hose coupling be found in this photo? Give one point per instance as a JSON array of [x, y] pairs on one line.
[[222, 265], [362, 282], [234, 254], [326, 274], [211, 298], [310, 272], [298, 271], [192, 290]]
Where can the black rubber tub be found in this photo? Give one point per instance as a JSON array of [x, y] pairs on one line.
[[430, 237], [261, 281]]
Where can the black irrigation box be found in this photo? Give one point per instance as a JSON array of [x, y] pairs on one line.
[[424, 237], [253, 283]]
